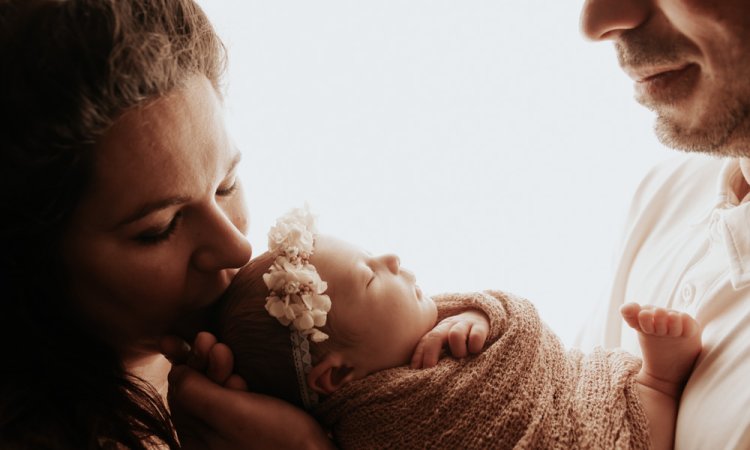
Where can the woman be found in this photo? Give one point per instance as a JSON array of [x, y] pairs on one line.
[[123, 220]]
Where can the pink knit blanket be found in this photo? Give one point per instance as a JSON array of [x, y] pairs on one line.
[[523, 391]]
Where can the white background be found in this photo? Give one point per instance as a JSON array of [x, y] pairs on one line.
[[484, 142]]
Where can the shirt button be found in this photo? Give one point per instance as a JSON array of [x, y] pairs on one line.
[[688, 293]]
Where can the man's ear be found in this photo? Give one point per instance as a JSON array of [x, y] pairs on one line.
[[330, 374]]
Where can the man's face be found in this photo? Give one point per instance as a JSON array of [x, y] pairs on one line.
[[690, 60]]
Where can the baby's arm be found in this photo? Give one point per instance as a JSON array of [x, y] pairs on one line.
[[670, 342], [464, 333]]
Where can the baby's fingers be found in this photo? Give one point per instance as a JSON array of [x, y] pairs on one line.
[[428, 349], [457, 338], [416, 358], [477, 337]]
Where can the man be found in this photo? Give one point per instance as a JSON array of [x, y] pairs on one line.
[[687, 241]]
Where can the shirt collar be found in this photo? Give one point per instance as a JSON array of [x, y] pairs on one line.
[[730, 181], [733, 223]]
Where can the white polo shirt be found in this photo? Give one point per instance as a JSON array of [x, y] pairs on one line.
[[687, 247]]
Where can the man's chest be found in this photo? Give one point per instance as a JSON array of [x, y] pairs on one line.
[[687, 267]]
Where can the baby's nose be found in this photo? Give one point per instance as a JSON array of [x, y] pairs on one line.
[[392, 262]]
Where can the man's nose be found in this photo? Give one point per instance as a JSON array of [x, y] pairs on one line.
[[607, 19]]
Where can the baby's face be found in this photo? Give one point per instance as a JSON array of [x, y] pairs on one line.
[[376, 306]]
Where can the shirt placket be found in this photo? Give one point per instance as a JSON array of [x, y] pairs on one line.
[[707, 269]]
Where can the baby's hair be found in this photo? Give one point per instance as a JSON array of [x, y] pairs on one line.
[[262, 346]]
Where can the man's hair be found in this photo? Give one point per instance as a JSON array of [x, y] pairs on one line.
[[71, 68]]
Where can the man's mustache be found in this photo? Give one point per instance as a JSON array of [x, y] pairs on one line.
[[640, 49]]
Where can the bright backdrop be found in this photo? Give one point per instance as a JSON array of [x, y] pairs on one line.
[[484, 142]]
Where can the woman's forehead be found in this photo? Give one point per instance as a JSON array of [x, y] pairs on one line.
[[175, 147]]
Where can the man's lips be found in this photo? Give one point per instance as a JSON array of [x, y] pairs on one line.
[[645, 74]]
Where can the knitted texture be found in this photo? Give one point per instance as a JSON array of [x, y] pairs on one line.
[[523, 391]]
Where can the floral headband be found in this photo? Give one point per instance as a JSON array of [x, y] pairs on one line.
[[296, 297]]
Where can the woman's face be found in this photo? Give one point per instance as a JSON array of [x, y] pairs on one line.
[[160, 232]]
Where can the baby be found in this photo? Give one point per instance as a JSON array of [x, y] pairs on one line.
[[362, 351]]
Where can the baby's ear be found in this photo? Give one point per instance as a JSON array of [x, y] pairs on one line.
[[330, 374]]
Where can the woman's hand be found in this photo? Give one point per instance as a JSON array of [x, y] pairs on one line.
[[211, 408], [207, 356], [464, 333]]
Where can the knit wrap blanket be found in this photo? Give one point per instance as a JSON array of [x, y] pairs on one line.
[[523, 391]]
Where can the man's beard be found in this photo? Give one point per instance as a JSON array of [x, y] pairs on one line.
[[721, 134], [723, 128]]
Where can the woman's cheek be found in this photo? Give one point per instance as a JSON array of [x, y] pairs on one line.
[[157, 282]]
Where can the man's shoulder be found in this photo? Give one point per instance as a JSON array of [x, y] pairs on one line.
[[683, 171], [685, 178]]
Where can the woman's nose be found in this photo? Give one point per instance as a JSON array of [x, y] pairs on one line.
[[221, 243], [392, 262], [607, 19]]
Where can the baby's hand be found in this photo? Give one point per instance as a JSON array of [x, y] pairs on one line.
[[465, 333]]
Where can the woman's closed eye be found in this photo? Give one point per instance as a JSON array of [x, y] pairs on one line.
[[226, 192], [155, 236]]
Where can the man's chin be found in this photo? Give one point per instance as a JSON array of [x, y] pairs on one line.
[[699, 126], [717, 140]]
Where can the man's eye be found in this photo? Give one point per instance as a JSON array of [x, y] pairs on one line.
[[155, 237], [226, 192]]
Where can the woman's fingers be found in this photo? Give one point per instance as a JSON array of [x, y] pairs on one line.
[[207, 355], [175, 349], [236, 382], [220, 363], [202, 345]]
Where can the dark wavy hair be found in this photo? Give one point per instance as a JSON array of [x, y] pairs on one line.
[[70, 68]]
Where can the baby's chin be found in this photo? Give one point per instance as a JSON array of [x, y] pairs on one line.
[[432, 307]]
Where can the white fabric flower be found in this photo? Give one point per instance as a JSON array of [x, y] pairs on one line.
[[318, 336], [297, 295], [293, 233]]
